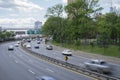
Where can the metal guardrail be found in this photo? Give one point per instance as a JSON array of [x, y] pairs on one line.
[[72, 66]]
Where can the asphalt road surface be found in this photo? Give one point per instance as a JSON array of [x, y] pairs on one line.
[[18, 65], [77, 60]]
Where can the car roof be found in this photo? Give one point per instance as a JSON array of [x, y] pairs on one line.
[[96, 60], [46, 78], [10, 45]]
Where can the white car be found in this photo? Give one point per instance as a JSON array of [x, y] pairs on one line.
[[45, 78], [67, 52], [100, 66], [18, 42], [28, 46], [16, 45], [10, 47]]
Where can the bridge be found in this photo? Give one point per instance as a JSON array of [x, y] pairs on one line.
[[21, 32], [18, 31]]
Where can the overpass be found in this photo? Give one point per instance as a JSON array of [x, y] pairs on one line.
[[21, 32], [18, 31]]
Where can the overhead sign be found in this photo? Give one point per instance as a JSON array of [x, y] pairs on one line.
[[34, 32]]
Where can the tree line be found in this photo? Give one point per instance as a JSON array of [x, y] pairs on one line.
[[6, 35], [84, 24]]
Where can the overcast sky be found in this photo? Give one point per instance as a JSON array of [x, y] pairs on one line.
[[23, 13]]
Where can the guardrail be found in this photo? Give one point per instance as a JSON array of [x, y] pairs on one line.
[[71, 66]]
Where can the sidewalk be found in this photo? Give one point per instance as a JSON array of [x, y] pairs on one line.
[[91, 56]]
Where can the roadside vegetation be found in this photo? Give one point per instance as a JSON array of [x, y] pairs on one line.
[[85, 28], [6, 35]]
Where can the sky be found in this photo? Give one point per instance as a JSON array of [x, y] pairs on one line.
[[24, 13]]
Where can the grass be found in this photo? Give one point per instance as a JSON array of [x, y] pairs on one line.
[[110, 51]]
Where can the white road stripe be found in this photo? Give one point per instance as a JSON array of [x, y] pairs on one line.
[[49, 70], [31, 71], [16, 61]]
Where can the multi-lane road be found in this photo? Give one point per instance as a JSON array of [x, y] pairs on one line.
[[18, 65], [77, 60]]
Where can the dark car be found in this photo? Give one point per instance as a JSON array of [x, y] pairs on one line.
[[49, 47], [36, 46], [38, 42]]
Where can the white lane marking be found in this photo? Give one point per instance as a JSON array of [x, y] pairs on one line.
[[16, 61], [49, 70], [31, 71]]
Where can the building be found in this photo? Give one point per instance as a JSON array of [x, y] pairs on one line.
[[70, 1], [38, 25], [0, 29]]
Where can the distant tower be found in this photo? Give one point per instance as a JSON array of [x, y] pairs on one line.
[[38, 25], [111, 7], [0, 29], [70, 1]]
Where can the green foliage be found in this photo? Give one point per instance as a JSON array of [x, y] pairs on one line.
[[83, 23], [5, 35], [56, 11]]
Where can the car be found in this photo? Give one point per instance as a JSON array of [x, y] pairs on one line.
[[45, 78], [16, 45], [38, 42], [10, 47], [49, 47], [28, 46], [67, 52], [36, 46], [100, 66], [28, 40], [18, 42]]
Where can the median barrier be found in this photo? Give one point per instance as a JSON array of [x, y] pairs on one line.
[[71, 66]]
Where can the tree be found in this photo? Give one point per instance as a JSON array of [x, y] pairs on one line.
[[80, 18], [54, 26], [55, 11], [107, 23]]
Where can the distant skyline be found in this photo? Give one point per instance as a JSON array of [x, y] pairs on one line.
[[24, 13]]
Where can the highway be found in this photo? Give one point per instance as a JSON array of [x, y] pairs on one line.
[[77, 60], [19, 65]]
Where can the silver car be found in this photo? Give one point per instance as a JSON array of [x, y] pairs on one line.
[[10, 47], [100, 66], [49, 47]]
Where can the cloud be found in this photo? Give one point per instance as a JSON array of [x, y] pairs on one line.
[[13, 15], [19, 22], [21, 5], [64, 1], [109, 3]]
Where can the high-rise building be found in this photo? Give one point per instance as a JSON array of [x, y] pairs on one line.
[[38, 25], [0, 29], [70, 1]]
